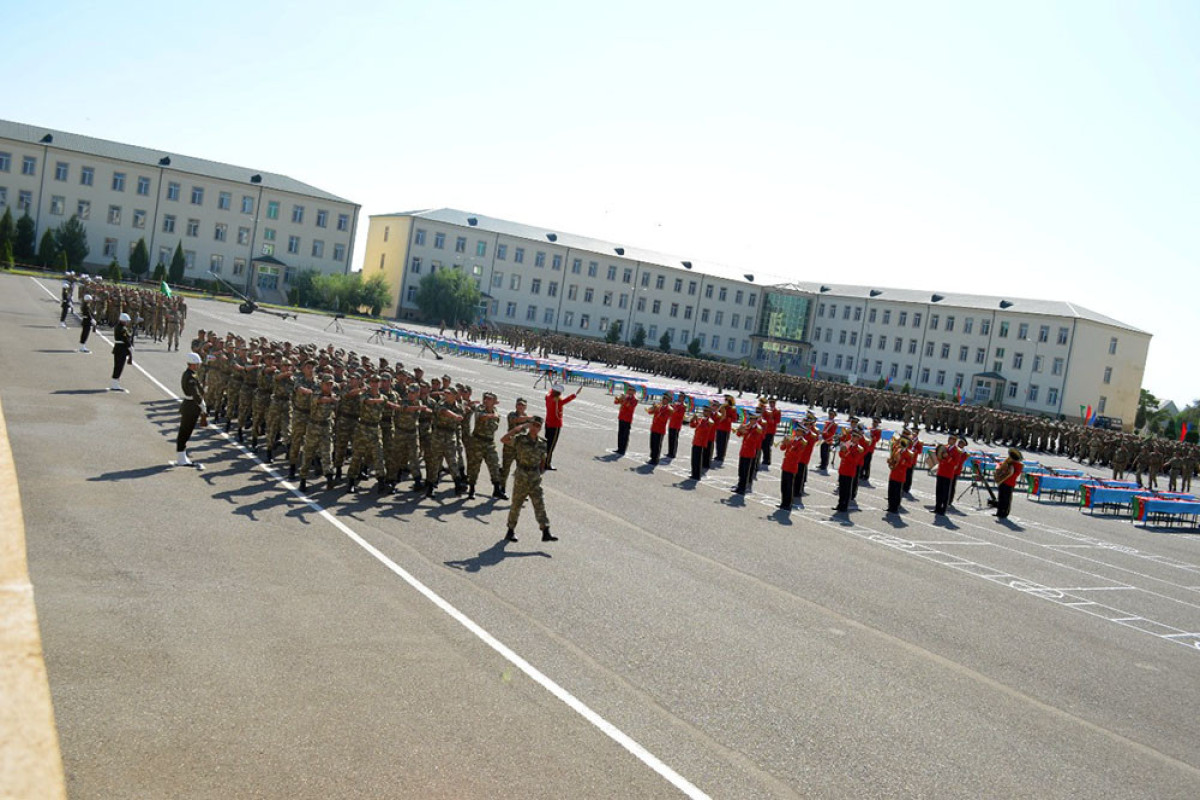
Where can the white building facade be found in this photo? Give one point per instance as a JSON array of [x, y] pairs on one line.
[[223, 216], [1037, 356]]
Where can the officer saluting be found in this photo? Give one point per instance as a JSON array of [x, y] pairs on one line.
[[529, 452], [191, 409]]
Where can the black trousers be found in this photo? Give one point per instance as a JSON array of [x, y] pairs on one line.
[[908, 479], [722, 444], [864, 472], [697, 462], [708, 454], [85, 330], [65, 308], [551, 440], [825, 447], [189, 412], [745, 468], [1004, 501], [787, 488], [121, 355], [672, 442], [801, 479], [767, 442], [623, 435], [845, 487], [942, 494], [894, 490], [655, 446]]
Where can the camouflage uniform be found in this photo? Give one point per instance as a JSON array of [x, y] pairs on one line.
[[442, 446], [481, 447], [347, 419], [318, 437], [279, 412], [527, 481], [301, 402], [368, 441], [405, 448]]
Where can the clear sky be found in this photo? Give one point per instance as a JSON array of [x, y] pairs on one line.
[[1032, 149]]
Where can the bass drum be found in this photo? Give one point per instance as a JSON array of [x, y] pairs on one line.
[[247, 307]]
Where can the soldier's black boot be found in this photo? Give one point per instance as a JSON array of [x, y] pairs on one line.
[[381, 486], [291, 471], [228, 422], [547, 536], [471, 492], [511, 536], [270, 454], [499, 492], [254, 441], [339, 473], [241, 434], [329, 482], [350, 487], [429, 490], [303, 484]]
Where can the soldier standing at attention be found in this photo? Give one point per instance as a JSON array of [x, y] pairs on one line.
[[554, 418], [122, 350], [86, 322], [304, 388], [65, 303], [191, 409], [678, 411], [481, 446], [530, 454], [627, 402]]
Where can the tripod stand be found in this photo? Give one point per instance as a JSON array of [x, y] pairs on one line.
[[978, 481], [425, 345], [543, 380], [376, 336], [336, 324]]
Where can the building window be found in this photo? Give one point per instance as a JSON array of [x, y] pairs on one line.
[[535, 286], [841, 334], [917, 320], [168, 225], [925, 375], [1063, 334], [518, 255], [588, 294], [1056, 367], [674, 309], [912, 347], [5, 162], [1018, 360], [343, 222], [114, 215], [908, 372], [552, 289], [720, 320], [1033, 393], [593, 268], [928, 349], [708, 292], [58, 205], [293, 246], [531, 314], [215, 263], [510, 309], [415, 265], [439, 241], [1037, 363], [318, 248], [189, 259], [1003, 330], [568, 319], [139, 218], [548, 317], [968, 325], [83, 209], [858, 313], [247, 206], [60, 171], [539, 259], [722, 295], [143, 186], [903, 319], [224, 200], [627, 277], [1052, 396], [1012, 391], [193, 227], [1023, 331], [198, 196], [703, 313], [514, 282], [118, 182], [411, 296], [871, 316], [933, 322], [576, 266], [25, 200], [1112, 346], [949, 324], [29, 167], [945, 350], [556, 261], [497, 279], [481, 249], [887, 316], [220, 232], [243, 236], [339, 252], [941, 378], [868, 340], [323, 221], [1108, 374], [1103, 403], [87, 176], [239, 266], [898, 345], [980, 355], [110, 248], [298, 218], [273, 209], [460, 244], [584, 321], [572, 291]]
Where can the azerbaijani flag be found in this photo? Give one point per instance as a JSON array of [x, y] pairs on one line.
[[162, 287], [889, 381], [1087, 415], [1183, 431], [812, 372]]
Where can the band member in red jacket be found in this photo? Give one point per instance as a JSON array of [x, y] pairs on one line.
[[704, 429], [627, 402], [1007, 474], [850, 454], [554, 418], [797, 449], [873, 437], [900, 463], [770, 424], [725, 419], [950, 460], [751, 434], [660, 414], [679, 411], [918, 449], [828, 435]]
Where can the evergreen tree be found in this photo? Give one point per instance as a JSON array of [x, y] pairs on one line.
[[47, 252], [639, 337], [614, 332], [447, 295], [664, 342], [160, 271], [6, 255], [8, 229], [178, 264], [694, 348], [375, 294], [72, 241], [25, 239], [139, 259], [113, 273]]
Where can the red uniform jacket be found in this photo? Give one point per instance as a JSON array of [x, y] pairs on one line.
[[554, 409], [628, 403]]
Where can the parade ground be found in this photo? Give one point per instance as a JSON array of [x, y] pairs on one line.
[[214, 633]]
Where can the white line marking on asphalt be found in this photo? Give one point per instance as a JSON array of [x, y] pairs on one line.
[[538, 677]]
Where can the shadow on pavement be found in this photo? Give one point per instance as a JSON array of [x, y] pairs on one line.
[[492, 556], [80, 391], [132, 474]]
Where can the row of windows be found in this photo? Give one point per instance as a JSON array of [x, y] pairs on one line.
[[87, 177], [937, 322]]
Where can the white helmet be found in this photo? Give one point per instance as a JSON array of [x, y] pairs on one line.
[[87, 297], [123, 318], [194, 358], [66, 284]]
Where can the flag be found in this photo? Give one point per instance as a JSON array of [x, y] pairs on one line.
[[165, 289], [812, 372], [1183, 430], [1087, 416], [889, 381]]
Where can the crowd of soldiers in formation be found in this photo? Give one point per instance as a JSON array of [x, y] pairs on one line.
[[152, 314], [1120, 451], [345, 417]]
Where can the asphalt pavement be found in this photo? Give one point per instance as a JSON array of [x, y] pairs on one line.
[[212, 633]]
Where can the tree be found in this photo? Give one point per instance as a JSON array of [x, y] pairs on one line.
[[7, 228], [113, 273], [1171, 430], [306, 293], [639, 337], [139, 259], [160, 272], [47, 252], [664, 342], [178, 264], [448, 294], [905, 389], [72, 240], [614, 332], [879, 384], [6, 255], [25, 240], [375, 294], [693, 348]]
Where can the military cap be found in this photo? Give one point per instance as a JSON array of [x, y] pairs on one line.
[[536, 420]]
